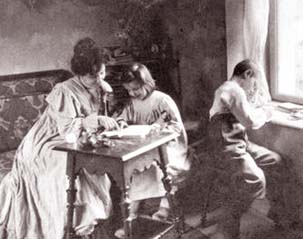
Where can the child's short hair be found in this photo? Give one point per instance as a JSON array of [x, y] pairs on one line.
[[141, 74], [245, 65]]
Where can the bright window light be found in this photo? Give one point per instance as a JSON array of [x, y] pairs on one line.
[[286, 50]]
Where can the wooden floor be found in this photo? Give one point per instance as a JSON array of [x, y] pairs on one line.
[[254, 225]]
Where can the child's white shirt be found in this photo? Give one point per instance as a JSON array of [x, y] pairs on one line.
[[231, 98]]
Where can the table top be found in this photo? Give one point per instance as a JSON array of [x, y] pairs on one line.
[[123, 148]]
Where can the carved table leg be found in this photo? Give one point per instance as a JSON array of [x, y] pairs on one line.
[[178, 219], [71, 197], [127, 220]]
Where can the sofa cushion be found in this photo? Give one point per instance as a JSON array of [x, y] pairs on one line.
[[17, 115], [22, 101], [6, 162], [30, 83]]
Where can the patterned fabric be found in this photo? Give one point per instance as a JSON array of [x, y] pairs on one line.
[[22, 102], [38, 169], [6, 162]]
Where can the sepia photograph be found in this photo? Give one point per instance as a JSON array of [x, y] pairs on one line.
[[151, 119]]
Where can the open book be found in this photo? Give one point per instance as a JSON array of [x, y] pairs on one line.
[[290, 107], [129, 132]]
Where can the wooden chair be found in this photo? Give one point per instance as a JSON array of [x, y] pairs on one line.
[[203, 165]]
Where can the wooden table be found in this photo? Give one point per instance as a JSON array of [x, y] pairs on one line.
[[120, 161]]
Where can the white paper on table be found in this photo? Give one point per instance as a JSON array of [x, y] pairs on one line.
[[130, 131]]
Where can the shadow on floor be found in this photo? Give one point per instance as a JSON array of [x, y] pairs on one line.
[[254, 225]]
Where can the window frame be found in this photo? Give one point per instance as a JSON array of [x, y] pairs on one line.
[[274, 57]]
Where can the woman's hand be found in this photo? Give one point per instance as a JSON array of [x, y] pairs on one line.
[[122, 123], [91, 121], [108, 123]]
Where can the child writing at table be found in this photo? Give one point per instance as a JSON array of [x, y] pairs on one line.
[[252, 170], [148, 106]]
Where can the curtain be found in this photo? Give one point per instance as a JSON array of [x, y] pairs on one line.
[[255, 29]]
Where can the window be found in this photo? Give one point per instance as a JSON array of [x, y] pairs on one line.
[[286, 50]]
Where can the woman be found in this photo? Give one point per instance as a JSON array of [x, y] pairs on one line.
[[33, 194], [247, 164], [151, 107]]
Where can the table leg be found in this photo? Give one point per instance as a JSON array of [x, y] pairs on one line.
[[127, 220], [71, 197], [178, 219]]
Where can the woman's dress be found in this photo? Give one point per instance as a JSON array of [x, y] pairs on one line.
[[33, 195]]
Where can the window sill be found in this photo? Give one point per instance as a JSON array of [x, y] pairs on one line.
[[286, 116]]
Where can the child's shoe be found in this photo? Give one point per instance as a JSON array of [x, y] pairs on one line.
[[120, 233], [162, 214], [133, 214]]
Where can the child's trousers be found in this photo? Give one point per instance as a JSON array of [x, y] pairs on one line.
[[253, 172]]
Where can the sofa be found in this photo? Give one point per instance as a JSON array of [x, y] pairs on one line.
[[22, 101]]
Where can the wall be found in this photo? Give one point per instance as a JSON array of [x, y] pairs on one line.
[[287, 141], [234, 33], [197, 30], [40, 36]]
